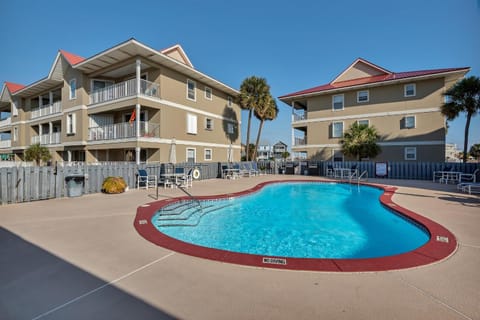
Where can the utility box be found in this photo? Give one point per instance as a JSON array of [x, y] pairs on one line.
[[75, 183]]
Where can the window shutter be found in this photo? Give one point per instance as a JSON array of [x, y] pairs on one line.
[[191, 124]]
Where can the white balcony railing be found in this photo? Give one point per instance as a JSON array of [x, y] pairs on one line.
[[122, 131], [4, 144], [124, 89], [53, 138], [5, 122], [53, 108], [299, 117], [300, 141]]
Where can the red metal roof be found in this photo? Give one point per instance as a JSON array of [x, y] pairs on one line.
[[13, 87], [71, 58], [373, 79]]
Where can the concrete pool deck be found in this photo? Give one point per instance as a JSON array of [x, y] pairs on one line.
[[81, 258]]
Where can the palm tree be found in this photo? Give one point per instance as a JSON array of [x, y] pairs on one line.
[[266, 111], [37, 153], [475, 151], [464, 96], [360, 141], [252, 91]]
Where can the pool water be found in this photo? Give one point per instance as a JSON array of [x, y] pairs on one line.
[[297, 220]]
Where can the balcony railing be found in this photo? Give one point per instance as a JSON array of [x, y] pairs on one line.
[[50, 138], [299, 117], [53, 108], [124, 89], [4, 144], [300, 141], [5, 122], [123, 130]]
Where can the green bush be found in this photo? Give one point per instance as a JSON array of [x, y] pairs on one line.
[[114, 185]]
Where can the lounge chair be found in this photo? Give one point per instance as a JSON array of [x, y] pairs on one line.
[[144, 180], [471, 187]]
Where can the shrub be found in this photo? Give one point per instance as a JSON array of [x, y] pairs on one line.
[[114, 185]]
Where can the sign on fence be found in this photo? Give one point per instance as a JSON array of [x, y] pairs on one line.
[[381, 169]]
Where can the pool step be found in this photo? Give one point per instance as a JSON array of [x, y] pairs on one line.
[[183, 221]]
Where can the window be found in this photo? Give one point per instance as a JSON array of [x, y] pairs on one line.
[[208, 124], [190, 155], [362, 96], [337, 129], [337, 155], [229, 101], [409, 122], [100, 84], [363, 122], [73, 89], [208, 93], [208, 154], [71, 125], [409, 90], [191, 124], [230, 128], [337, 102], [410, 153], [191, 86], [15, 133]]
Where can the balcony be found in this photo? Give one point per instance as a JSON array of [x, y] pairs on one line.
[[124, 89], [123, 130], [50, 138], [5, 144], [299, 116], [53, 108], [5, 122], [299, 141]]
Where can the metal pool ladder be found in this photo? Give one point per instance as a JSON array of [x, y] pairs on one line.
[[355, 176]]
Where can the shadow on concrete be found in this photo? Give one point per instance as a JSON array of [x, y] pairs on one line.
[[34, 282], [465, 201]]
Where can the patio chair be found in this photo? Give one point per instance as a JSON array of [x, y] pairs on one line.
[[469, 177], [144, 180], [330, 171], [254, 169], [353, 169], [186, 180]]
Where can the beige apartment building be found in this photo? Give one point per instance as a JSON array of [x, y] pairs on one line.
[[127, 103], [404, 107]]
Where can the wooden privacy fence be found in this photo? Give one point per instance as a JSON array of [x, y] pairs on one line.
[[23, 184]]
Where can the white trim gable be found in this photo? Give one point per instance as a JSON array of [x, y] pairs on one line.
[[368, 69], [4, 95], [176, 52]]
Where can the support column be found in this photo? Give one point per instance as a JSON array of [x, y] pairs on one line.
[[138, 71], [293, 130], [40, 129], [137, 155], [50, 131]]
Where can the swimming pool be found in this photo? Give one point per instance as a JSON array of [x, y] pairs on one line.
[[298, 225]]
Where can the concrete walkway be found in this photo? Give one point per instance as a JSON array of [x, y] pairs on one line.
[[81, 258]]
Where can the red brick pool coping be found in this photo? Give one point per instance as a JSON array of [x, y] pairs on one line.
[[442, 242]]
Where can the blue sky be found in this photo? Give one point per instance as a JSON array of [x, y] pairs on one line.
[[293, 44]]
